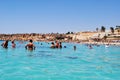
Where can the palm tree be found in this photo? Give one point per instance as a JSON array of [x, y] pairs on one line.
[[103, 29], [112, 30], [68, 33], [72, 32], [97, 29]]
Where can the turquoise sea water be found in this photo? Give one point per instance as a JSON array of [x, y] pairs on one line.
[[44, 63]]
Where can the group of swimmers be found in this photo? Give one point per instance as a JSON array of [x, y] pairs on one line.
[[29, 46], [56, 44], [5, 44]]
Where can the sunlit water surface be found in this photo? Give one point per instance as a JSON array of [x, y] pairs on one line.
[[99, 63]]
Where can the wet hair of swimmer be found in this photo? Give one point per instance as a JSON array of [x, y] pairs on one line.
[[52, 43], [31, 40], [12, 42]]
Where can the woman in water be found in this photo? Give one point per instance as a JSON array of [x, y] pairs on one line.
[[52, 45], [5, 44], [56, 44]]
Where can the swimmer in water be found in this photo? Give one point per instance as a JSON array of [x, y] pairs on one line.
[[30, 45], [60, 45], [56, 44], [13, 44], [74, 48], [5, 44], [65, 47], [52, 45], [41, 44], [90, 47]]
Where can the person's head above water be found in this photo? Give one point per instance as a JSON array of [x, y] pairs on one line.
[[31, 40], [5, 44], [6, 41], [52, 43], [12, 41], [30, 45]]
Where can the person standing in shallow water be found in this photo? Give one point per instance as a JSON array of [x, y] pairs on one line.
[[52, 45], [57, 44], [60, 45], [5, 44], [74, 48], [30, 45], [13, 44]]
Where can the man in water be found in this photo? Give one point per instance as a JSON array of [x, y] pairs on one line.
[[30, 45]]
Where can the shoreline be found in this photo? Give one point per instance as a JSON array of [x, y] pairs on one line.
[[90, 43], [80, 38], [101, 43]]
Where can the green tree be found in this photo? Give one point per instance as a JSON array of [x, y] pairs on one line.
[[68, 33], [112, 29], [72, 32], [103, 29], [97, 29]]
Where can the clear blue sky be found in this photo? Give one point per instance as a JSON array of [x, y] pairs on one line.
[[46, 16]]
